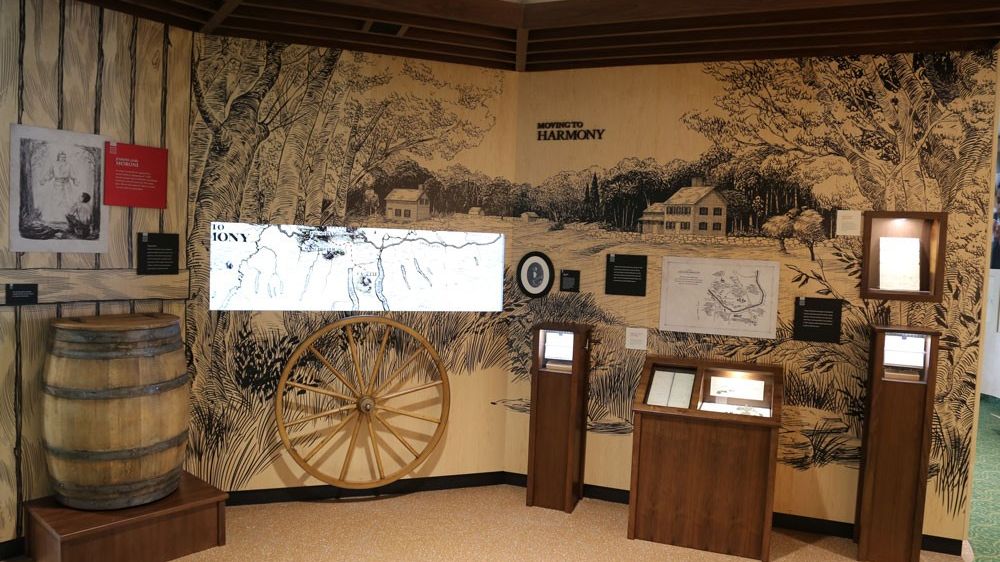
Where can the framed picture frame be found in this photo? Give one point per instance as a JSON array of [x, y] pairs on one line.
[[535, 274], [902, 255], [56, 191]]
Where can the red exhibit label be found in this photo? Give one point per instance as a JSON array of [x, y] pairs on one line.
[[135, 176]]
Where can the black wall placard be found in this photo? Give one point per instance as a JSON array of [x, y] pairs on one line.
[[569, 280], [625, 275], [817, 319], [21, 293], [158, 253]]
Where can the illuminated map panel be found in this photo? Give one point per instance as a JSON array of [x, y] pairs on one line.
[[287, 267]]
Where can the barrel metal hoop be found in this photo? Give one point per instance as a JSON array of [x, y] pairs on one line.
[[64, 488], [118, 454], [111, 393], [115, 350], [82, 335]]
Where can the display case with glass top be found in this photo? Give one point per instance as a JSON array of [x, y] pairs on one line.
[[905, 356], [903, 255], [745, 393], [687, 415], [710, 386], [556, 350]]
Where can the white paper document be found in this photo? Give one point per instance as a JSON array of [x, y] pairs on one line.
[[849, 222], [635, 338], [558, 345], [717, 296], [671, 389], [904, 350], [899, 263], [735, 409]]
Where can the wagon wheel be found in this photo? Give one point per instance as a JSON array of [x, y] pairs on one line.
[[367, 385]]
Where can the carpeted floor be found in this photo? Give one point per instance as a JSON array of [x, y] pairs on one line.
[[490, 523], [984, 529]]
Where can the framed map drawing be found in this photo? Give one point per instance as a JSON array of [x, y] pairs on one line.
[[334, 268], [56, 191], [717, 296]]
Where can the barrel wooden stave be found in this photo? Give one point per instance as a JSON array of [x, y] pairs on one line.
[[116, 409]]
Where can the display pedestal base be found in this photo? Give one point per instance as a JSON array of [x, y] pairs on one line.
[[191, 519]]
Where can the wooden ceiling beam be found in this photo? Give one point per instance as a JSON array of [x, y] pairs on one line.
[[521, 58], [338, 24], [763, 54], [800, 44], [330, 42], [917, 9], [766, 33], [155, 11], [220, 15], [590, 12], [363, 41], [321, 7], [498, 13]]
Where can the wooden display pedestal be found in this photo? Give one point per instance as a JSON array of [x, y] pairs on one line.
[[557, 435], [896, 443], [190, 520]]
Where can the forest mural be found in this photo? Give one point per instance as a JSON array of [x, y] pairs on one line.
[[292, 134]]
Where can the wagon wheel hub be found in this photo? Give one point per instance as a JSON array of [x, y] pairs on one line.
[[366, 404]]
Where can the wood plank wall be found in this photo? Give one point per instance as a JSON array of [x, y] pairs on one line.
[[78, 67]]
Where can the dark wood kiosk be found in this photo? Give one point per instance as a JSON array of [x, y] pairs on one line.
[[704, 446], [903, 255], [191, 519], [558, 428], [896, 443]]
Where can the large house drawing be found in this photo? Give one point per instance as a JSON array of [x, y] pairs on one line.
[[698, 209], [407, 205]]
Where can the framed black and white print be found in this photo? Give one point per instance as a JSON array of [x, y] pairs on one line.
[[534, 274], [56, 190]]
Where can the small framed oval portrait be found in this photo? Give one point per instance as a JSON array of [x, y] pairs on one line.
[[534, 274]]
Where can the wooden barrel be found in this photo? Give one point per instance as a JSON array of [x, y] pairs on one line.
[[115, 409]]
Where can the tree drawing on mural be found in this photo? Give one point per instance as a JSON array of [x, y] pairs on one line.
[[287, 134], [913, 132]]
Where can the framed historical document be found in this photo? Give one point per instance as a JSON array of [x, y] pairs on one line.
[[899, 263], [671, 388], [56, 184], [903, 255]]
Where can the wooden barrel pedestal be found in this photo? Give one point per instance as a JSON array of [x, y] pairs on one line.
[[115, 409]]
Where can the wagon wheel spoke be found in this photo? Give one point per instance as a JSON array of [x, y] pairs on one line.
[[396, 434], [328, 438], [319, 415], [323, 391], [378, 359], [326, 363], [378, 454], [409, 414], [406, 391], [350, 451], [413, 357], [354, 359]]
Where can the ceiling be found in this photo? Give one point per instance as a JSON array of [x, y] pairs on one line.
[[537, 35]]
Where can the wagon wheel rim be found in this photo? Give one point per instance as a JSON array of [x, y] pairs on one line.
[[368, 398]]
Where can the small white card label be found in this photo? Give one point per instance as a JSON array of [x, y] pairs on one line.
[[635, 338], [848, 222]]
